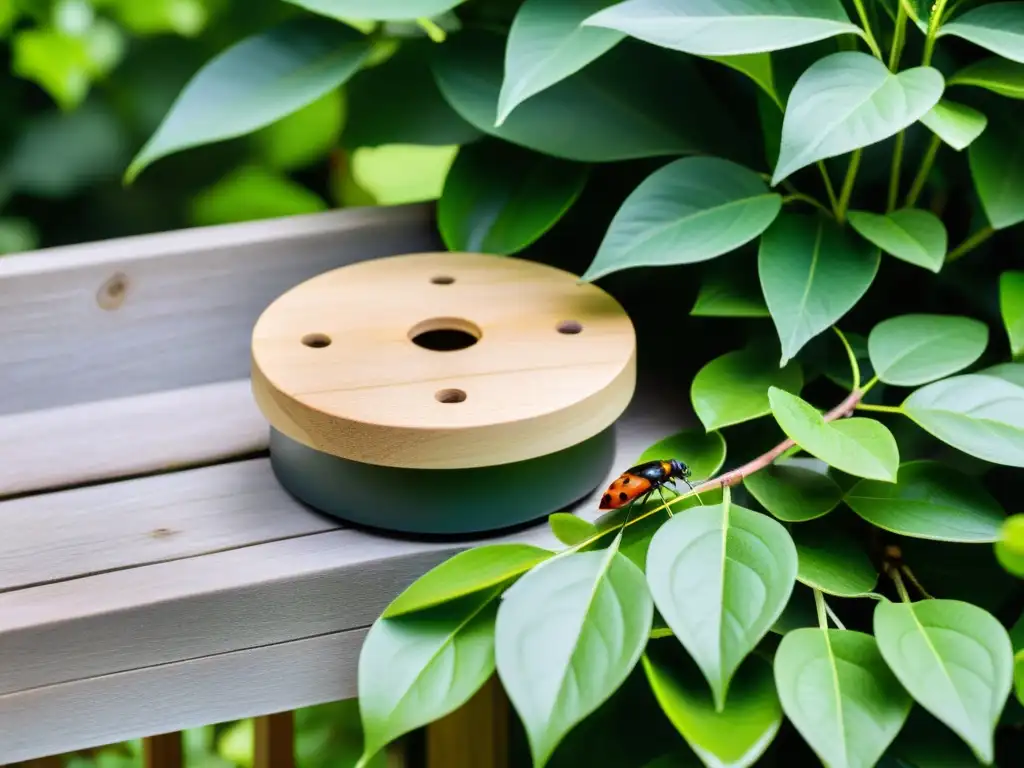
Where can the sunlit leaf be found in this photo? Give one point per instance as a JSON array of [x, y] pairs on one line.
[[955, 659], [836, 689], [999, 27], [733, 388], [570, 529], [909, 350], [956, 124], [994, 74], [395, 174], [720, 576], [249, 193], [382, 10], [1011, 305], [915, 236], [932, 501]]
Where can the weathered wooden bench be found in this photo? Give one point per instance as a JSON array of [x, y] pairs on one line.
[[153, 575]]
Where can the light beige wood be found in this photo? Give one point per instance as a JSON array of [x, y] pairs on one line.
[[334, 364], [274, 737], [163, 751], [475, 735]]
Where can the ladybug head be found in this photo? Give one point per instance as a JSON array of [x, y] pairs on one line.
[[679, 469]]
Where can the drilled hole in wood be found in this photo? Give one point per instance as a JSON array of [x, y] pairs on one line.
[[316, 340], [112, 293], [450, 396], [569, 327], [445, 334], [442, 280]]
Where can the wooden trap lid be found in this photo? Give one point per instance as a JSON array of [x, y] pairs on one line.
[[443, 360]]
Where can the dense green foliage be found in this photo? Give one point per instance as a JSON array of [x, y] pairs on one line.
[[840, 180]]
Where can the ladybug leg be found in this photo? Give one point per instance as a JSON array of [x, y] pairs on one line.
[[663, 501]]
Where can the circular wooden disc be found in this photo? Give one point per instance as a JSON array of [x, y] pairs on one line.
[[348, 361]]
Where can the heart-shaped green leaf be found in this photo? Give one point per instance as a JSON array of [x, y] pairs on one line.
[[910, 234], [570, 529], [726, 290], [812, 273], [417, 668], [703, 452], [929, 501], [981, 415], [857, 446], [997, 168], [955, 659], [1011, 372], [727, 27], [720, 576], [908, 350], [546, 44], [499, 198], [552, 625], [733, 388], [380, 10], [956, 124], [1011, 305], [831, 561], [994, 74], [999, 27], [620, 97], [850, 100], [255, 82], [474, 570], [733, 738], [690, 210], [836, 689], [792, 493]]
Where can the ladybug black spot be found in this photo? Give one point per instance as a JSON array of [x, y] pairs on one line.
[[625, 481], [623, 496], [607, 498]]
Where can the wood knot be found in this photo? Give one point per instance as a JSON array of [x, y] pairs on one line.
[[162, 533], [111, 294]]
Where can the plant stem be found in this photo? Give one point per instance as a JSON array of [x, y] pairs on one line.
[[879, 408], [913, 580], [867, 387], [829, 189], [934, 22], [970, 244], [851, 177], [922, 173], [898, 38], [436, 33], [854, 365], [832, 614], [806, 199], [868, 35], [894, 574], [819, 603], [894, 171]]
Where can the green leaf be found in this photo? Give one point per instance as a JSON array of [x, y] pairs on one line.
[[303, 137], [999, 27], [469, 572], [924, 742], [720, 576], [997, 168], [981, 415], [728, 292], [1011, 305], [379, 10], [499, 198], [620, 97], [570, 529], [733, 388], [249, 193], [812, 273], [690, 210], [908, 350], [727, 27], [396, 174], [955, 659], [552, 626], [756, 66], [704, 452], [857, 446], [956, 124], [255, 83], [915, 236], [836, 689], [547, 44], [1018, 675], [850, 100], [929, 501], [733, 738], [398, 102], [794, 494], [831, 561], [1011, 372], [994, 74], [415, 669]]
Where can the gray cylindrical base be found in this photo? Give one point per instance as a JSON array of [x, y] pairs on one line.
[[442, 501]]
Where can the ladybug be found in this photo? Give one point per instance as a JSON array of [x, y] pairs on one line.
[[644, 479]]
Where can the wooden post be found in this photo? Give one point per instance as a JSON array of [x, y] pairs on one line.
[[163, 751], [473, 736], [275, 741], [54, 761]]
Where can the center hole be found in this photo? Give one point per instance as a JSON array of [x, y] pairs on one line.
[[445, 334]]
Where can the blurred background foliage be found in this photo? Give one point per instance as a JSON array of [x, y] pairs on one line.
[[88, 81]]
